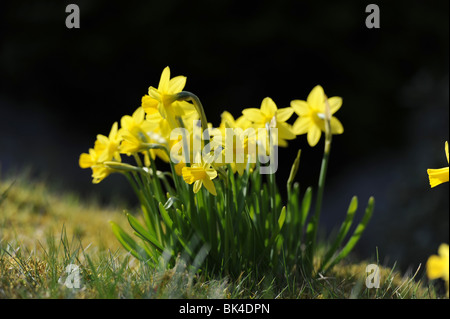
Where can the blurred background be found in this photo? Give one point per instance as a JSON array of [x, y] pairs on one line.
[[60, 87]]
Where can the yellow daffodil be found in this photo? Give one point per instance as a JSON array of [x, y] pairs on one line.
[[134, 131], [269, 113], [437, 265], [312, 114], [100, 172], [244, 139], [105, 149], [163, 98], [179, 168], [200, 173], [87, 160], [440, 175], [109, 147], [228, 121]]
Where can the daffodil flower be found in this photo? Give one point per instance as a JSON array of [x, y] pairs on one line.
[[200, 173], [87, 160], [109, 146], [312, 115], [440, 175], [134, 130], [163, 98], [244, 139], [228, 121], [269, 113], [105, 149], [437, 265]]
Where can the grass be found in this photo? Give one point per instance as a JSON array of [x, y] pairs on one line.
[[42, 232]]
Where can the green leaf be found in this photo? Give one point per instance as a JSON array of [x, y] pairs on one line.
[[345, 227], [306, 205], [183, 243], [147, 236], [282, 217], [165, 216], [356, 234], [127, 242], [294, 170]]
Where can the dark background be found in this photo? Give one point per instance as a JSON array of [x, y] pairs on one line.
[[60, 87]]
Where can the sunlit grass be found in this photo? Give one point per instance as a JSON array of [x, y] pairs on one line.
[[30, 211]]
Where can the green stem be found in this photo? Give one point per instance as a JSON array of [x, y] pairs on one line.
[[191, 97], [313, 227]]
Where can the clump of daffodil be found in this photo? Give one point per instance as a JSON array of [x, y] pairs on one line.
[[106, 148], [270, 116], [241, 220], [312, 115], [200, 173], [438, 266], [440, 175], [164, 99]]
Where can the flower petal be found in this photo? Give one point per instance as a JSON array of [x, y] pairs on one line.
[[254, 115], [164, 80], [336, 126], [85, 161], [446, 150], [125, 122], [435, 267], [176, 85], [268, 107], [314, 134], [211, 172], [284, 114], [149, 104], [335, 103], [316, 98], [443, 251], [301, 125], [114, 130], [209, 185], [438, 176], [154, 93], [285, 131], [139, 115], [300, 107], [197, 185]]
